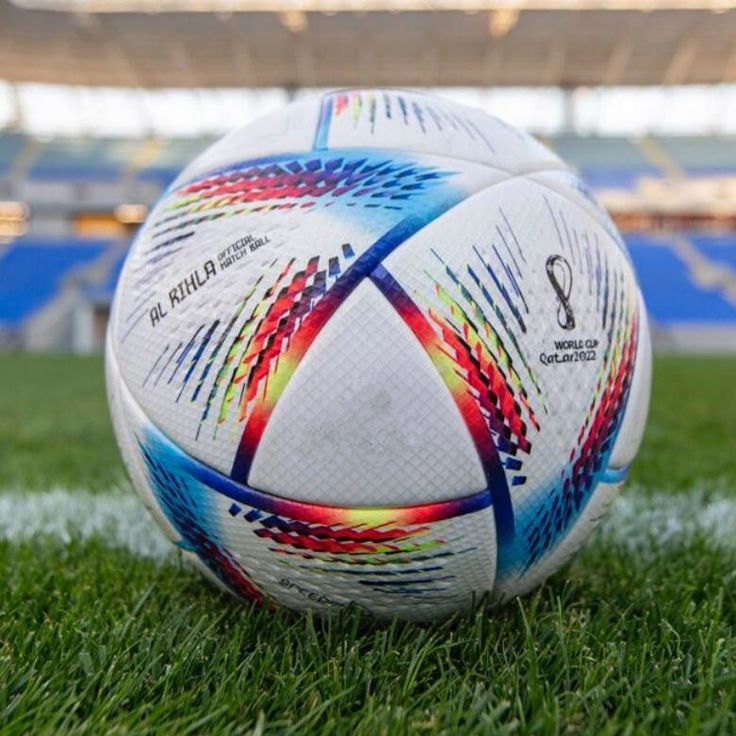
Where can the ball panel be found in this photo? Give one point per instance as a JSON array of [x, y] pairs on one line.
[[635, 419], [411, 121], [537, 308], [220, 298], [366, 419], [521, 582], [570, 186], [119, 400], [417, 562]]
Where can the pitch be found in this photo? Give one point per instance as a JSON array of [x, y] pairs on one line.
[[96, 637]]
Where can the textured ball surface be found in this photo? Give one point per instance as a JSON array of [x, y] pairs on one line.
[[378, 349]]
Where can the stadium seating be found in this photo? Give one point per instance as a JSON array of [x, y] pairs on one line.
[[103, 291], [701, 156], [83, 159], [11, 144], [671, 295], [605, 162], [171, 157], [34, 270], [717, 248]]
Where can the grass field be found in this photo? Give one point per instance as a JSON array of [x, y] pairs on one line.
[[108, 633]]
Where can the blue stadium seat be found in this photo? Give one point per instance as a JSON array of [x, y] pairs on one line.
[[605, 162], [671, 295], [11, 144], [701, 156], [601, 177], [171, 158], [717, 248], [103, 292], [32, 272], [86, 159]]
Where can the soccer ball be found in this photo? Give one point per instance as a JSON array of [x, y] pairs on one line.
[[378, 349]]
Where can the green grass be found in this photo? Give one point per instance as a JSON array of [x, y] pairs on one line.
[[54, 425], [94, 640]]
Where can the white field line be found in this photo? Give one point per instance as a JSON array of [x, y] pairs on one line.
[[644, 523], [117, 518]]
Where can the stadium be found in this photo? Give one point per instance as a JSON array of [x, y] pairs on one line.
[[102, 628]]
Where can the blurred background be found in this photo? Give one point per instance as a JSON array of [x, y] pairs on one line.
[[102, 102]]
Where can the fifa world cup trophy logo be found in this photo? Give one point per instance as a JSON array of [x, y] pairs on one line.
[[559, 274]]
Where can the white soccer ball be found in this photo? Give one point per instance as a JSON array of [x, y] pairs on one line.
[[378, 349]]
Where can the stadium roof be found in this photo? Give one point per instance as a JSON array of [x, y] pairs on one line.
[[532, 43]]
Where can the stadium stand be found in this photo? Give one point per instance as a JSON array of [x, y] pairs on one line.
[[34, 271], [170, 157], [63, 180], [701, 156], [11, 144], [83, 159], [671, 294], [605, 162], [101, 293], [717, 248]]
